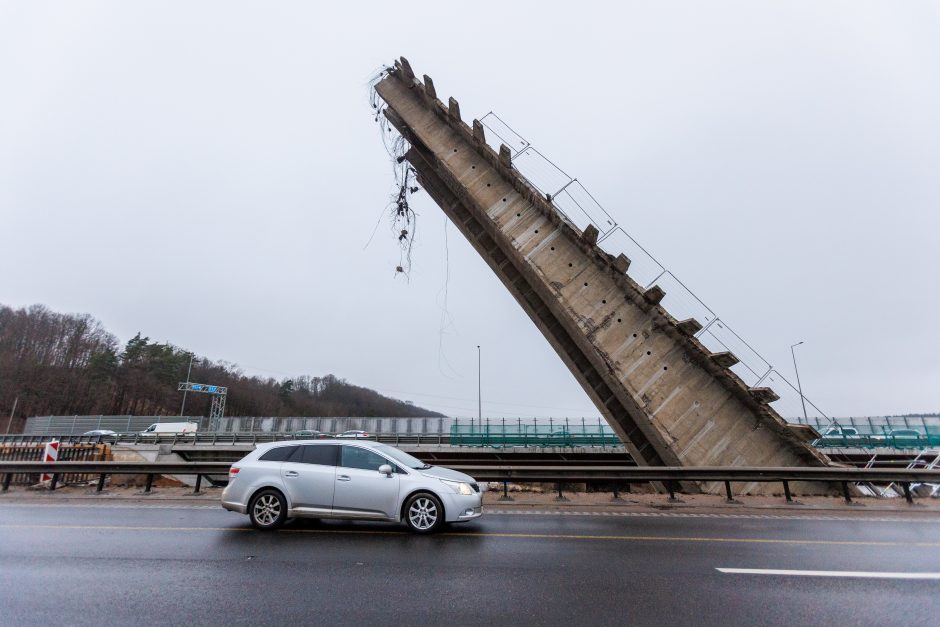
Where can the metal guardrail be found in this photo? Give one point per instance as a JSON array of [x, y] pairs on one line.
[[878, 441], [214, 437], [558, 473]]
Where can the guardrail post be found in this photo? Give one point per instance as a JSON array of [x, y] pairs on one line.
[[786, 491], [149, 483], [728, 493], [198, 484], [100, 486], [6, 481], [845, 492], [616, 497], [907, 493], [561, 497], [505, 496], [55, 480], [671, 486]]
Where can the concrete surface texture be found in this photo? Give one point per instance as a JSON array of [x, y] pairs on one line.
[[666, 395], [195, 564]]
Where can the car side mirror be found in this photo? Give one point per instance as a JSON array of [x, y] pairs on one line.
[[386, 470]]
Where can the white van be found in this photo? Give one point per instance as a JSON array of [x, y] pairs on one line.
[[171, 427]]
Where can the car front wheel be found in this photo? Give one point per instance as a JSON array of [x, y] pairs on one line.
[[424, 513], [268, 510]]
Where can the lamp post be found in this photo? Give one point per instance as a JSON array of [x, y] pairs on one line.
[[12, 411], [188, 373], [799, 387], [479, 388]]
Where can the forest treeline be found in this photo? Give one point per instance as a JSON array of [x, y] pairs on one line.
[[67, 364]]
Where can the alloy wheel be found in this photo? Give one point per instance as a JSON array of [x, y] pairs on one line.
[[422, 513], [267, 510]]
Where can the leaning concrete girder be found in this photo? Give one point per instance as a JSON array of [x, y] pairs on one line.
[[670, 399]]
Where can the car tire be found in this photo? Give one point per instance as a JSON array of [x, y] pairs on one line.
[[267, 510], [424, 513]]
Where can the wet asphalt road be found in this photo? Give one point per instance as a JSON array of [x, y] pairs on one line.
[[191, 565]]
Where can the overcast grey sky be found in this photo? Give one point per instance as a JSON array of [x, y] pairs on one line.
[[208, 173]]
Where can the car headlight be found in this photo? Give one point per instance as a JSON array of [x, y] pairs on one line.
[[458, 486]]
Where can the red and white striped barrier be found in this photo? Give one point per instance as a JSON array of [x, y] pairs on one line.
[[50, 455]]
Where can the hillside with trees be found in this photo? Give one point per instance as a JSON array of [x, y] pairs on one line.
[[67, 364]]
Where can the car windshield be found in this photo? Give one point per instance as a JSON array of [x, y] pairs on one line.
[[401, 456]]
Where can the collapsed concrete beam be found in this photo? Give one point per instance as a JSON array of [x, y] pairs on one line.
[[655, 383]]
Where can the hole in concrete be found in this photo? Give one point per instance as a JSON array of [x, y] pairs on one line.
[[536, 230], [455, 150], [619, 320], [634, 335], [518, 215], [553, 248], [504, 200], [585, 284], [487, 184], [648, 353], [473, 167], [603, 301], [569, 265], [665, 367]]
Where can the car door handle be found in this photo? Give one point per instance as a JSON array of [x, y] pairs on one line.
[[291, 473], [343, 478]]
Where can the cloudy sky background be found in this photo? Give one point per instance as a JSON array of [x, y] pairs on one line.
[[209, 174]]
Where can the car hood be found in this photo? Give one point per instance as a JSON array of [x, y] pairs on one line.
[[446, 473]]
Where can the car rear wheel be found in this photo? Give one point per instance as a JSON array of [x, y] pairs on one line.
[[424, 513], [268, 510]]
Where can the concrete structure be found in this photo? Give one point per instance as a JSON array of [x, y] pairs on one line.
[[670, 399]]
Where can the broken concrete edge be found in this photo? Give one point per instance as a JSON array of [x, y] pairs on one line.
[[632, 290]]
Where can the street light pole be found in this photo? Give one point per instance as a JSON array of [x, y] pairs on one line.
[[188, 373], [479, 388], [799, 387], [12, 411]]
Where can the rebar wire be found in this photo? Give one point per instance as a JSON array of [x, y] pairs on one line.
[[446, 319], [403, 219]]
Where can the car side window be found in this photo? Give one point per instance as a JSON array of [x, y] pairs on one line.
[[355, 457], [322, 454], [278, 454]]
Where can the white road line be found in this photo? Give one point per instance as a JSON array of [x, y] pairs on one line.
[[496, 511], [828, 573]]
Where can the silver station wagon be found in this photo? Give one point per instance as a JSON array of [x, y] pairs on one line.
[[351, 480]]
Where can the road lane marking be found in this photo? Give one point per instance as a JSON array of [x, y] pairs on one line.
[[485, 534], [513, 512], [828, 573]]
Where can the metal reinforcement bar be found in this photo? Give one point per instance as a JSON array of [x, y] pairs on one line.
[[559, 473]]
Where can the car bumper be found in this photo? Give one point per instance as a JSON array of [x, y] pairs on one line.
[[460, 508], [232, 506]]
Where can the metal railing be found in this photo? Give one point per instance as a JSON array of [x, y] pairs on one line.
[[579, 208], [559, 473], [495, 436], [920, 442]]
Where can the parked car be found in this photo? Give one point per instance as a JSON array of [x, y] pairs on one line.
[[99, 432], [840, 431], [310, 433], [905, 435], [353, 434], [171, 427], [349, 480]]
